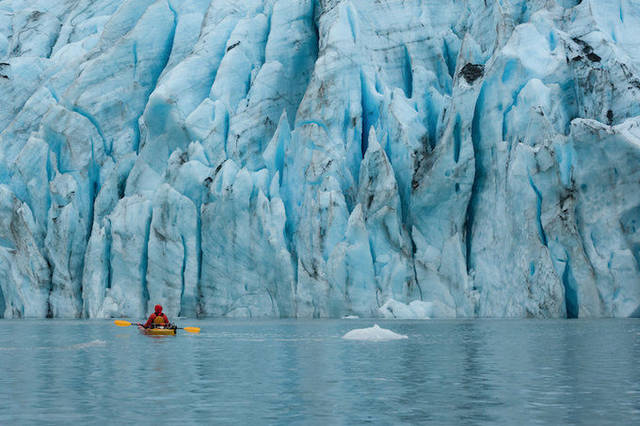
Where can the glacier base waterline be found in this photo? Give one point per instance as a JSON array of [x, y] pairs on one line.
[[320, 158]]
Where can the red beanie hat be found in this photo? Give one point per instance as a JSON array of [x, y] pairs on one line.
[[158, 309]]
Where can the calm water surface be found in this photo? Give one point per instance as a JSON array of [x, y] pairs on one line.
[[302, 372]]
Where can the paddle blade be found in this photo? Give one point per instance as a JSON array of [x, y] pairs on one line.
[[121, 323], [192, 329]]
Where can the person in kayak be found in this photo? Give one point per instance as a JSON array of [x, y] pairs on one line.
[[157, 319]]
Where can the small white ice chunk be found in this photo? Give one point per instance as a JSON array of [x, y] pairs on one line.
[[373, 334]]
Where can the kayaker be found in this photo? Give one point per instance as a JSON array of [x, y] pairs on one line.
[[157, 319]]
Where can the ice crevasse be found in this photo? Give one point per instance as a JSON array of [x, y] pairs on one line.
[[299, 158]]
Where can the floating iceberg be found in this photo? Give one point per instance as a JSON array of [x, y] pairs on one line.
[[373, 334], [315, 158]]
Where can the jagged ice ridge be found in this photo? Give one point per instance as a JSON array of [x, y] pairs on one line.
[[299, 158]]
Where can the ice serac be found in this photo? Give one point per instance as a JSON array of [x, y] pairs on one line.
[[388, 239], [25, 271], [353, 288], [247, 270], [130, 226], [172, 269], [320, 158]]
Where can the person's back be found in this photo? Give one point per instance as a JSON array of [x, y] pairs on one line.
[[157, 319]]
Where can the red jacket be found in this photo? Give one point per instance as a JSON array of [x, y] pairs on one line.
[[153, 317]]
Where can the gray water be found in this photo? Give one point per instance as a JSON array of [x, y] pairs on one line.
[[302, 372]]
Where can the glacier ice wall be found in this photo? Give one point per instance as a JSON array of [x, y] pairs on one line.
[[318, 158]]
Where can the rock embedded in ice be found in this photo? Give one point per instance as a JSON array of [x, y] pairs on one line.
[[373, 334]]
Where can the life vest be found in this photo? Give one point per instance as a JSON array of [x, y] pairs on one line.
[[159, 320]]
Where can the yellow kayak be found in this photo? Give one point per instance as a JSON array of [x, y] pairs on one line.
[[158, 331], [171, 331]]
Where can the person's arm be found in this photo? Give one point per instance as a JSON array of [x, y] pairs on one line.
[[151, 318], [166, 320]]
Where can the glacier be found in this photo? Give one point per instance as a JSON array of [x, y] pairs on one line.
[[320, 158]]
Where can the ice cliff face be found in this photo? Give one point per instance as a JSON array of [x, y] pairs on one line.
[[320, 158]]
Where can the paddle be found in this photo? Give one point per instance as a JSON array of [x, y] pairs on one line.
[[122, 323]]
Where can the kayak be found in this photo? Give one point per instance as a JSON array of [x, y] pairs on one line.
[[158, 331]]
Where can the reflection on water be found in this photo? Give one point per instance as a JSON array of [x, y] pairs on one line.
[[257, 372]]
